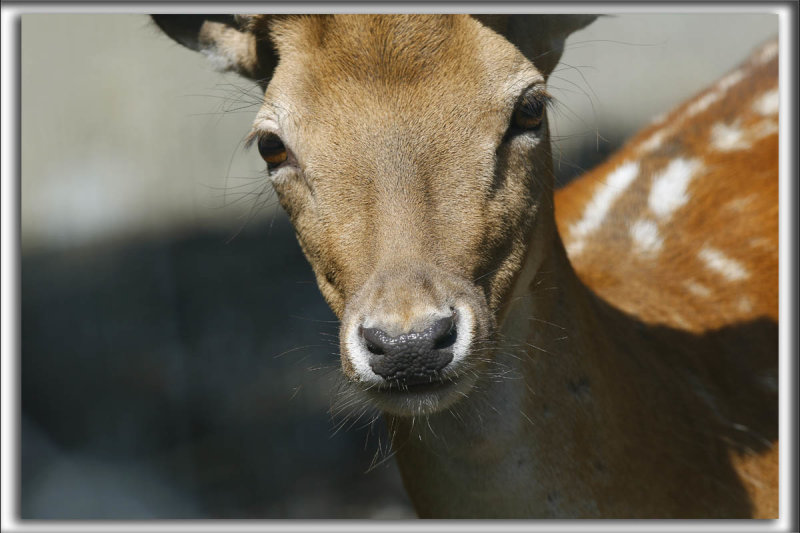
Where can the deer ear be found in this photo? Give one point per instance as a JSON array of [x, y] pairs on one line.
[[231, 42], [540, 37]]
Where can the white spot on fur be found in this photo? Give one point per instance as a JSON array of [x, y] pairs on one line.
[[765, 128], [699, 105], [767, 103], [605, 195], [729, 268], [768, 52], [745, 305], [698, 289], [728, 137], [574, 248], [646, 238], [654, 141], [668, 192], [740, 204], [678, 320], [730, 79], [703, 103]]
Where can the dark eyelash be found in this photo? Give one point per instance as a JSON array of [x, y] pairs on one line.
[[251, 138], [542, 96]]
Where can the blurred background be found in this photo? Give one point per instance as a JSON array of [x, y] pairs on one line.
[[178, 360]]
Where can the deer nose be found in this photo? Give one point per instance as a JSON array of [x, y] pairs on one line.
[[415, 357]]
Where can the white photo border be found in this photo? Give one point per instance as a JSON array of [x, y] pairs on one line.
[[10, 333]]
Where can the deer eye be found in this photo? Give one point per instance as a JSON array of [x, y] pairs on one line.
[[529, 113], [272, 150]]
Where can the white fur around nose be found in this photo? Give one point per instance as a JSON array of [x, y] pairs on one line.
[[359, 355], [464, 328]]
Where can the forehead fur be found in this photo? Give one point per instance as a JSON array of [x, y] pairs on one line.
[[392, 50], [357, 73]]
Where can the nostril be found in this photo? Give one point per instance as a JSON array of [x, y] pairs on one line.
[[375, 350], [414, 357], [447, 340], [374, 340], [445, 332]]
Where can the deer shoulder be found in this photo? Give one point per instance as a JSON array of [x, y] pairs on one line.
[[680, 228]]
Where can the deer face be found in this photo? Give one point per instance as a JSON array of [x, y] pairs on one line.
[[412, 156]]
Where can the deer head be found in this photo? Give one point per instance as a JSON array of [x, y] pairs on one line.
[[412, 156]]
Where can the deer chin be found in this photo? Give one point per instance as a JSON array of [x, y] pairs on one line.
[[422, 399]]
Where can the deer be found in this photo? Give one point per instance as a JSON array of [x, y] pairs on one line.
[[607, 350]]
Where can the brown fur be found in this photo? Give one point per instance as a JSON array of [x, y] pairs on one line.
[[737, 355], [407, 196], [737, 192]]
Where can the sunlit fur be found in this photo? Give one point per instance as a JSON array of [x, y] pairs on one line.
[[423, 120], [619, 390]]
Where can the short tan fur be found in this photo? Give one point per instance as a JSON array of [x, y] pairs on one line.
[[636, 377]]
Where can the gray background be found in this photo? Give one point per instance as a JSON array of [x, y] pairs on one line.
[[177, 358]]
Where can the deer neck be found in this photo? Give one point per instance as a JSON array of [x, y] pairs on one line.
[[535, 436]]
